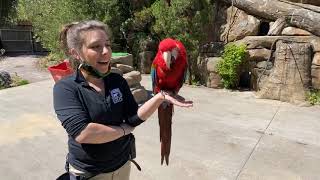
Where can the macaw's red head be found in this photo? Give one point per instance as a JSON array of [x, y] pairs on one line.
[[170, 53]]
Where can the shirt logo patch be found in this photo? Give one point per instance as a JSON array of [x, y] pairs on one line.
[[116, 95]]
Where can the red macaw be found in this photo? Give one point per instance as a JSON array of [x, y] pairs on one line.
[[168, 73]]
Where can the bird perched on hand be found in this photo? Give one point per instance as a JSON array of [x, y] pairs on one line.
[[168, 72]]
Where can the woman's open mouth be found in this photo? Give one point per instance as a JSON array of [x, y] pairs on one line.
[[103, 62]]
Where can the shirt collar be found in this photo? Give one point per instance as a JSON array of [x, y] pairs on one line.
[[79, 78]]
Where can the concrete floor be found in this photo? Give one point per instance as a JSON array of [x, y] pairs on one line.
[[225, 136]]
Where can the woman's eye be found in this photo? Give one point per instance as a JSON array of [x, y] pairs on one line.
[[95, 47]]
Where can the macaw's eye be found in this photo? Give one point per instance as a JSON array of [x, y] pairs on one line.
[[173, 59]]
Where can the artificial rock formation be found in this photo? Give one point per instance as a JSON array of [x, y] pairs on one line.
[[290, 79], [123, 66]]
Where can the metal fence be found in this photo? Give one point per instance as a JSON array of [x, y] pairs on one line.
[[17, 40]]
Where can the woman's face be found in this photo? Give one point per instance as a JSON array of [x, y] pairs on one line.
[[96, 49]]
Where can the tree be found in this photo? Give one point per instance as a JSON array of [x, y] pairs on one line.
[[48, 17], [185, 21], [7, 11]]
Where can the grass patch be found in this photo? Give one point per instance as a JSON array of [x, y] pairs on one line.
[[18, 81], [117, 54]]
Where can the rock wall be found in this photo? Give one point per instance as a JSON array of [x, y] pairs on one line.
[[242, 28], [290, 78], [123, 66]]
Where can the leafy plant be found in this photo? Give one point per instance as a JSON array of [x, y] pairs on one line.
[[233, 56], [314, 97]]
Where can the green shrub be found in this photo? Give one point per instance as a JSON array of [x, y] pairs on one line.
[[233, 56], [314, 97]]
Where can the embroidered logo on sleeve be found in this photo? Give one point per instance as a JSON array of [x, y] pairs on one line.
[[116, 95]]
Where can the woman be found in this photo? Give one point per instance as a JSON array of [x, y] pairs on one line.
[[96, 107]]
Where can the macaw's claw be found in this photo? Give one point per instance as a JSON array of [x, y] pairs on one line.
[[165, 122]]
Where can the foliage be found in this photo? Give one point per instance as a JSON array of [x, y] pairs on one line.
[[233, 56], [48, 17], [49, 60], [18, 81], [314, 97], [7, 11], [137, 32], [132, 22], [183, 20]]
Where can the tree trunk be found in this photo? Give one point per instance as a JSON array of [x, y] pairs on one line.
[[273, 9]]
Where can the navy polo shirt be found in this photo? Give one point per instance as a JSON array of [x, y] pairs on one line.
[[77, 104]]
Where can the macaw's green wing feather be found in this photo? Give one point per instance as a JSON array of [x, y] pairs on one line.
[[153, 77]]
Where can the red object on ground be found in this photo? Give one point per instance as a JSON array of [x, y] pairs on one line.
[[61, 70]]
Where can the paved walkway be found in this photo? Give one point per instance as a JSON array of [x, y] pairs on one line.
[[24, 66], [225, 136]]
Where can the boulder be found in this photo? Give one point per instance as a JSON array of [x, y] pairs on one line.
[[259, 54], [213, 78], [127, 60], [315, 44], [315, 75], [5, 79], [124, 68], [286, 83], [277, 27], [146, 59], [264, 65], [133, 78], [140, 94], [255, 42], [259, 77], [239, 25], [212, 63], [316, 59], [212, 49], [312, 2], [292, 31], [116, 70]]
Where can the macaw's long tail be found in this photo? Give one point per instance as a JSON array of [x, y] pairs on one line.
[[165, 112]]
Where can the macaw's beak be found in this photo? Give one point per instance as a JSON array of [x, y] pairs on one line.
[[167, 58]]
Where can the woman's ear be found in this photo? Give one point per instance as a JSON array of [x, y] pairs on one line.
[[74, 54]]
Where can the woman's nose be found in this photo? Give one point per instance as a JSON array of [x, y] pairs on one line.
[[106, 49]]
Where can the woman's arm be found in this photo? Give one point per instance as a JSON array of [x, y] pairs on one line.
[[96, 133], [149, 107], [76, 120]]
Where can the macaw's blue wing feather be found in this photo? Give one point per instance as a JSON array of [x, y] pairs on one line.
[[153, 77]]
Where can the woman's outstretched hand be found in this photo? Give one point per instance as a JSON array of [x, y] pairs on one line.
[[176, 99]]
